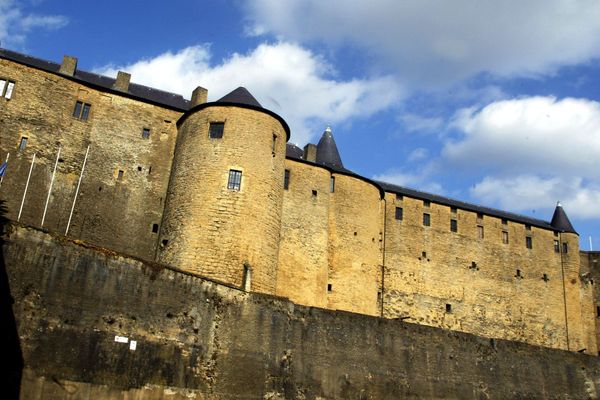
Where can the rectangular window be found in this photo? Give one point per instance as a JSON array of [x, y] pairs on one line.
[[504, 221], [565, 248], [120, 175], [448, 308], [453, 210], [399, 197], [286, 179], [81, 111], [527, 227], [215, 130], [332, 184], [2, 86], [274, 144], [480, 231], [235, 180], [145, 133], [426, 203], [399, 213], [504, 237], [426, 219], [556, 246], [479, 215], [22, 143], [9, 89], [528, 242], [453, 225]]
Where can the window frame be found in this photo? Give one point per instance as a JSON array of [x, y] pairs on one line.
[[234, 180], [453, 225], [216, 134], [82, 110], [529, 242], [146, 133], [286, 179], [426, 219], [399, 214]]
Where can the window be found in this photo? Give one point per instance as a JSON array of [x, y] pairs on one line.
[[426, 203], [565, 248], [314, 193], [518, 274], [448, 308], [480, 231], [145, 133], [545, 278], [332, 184], [479, 215], [23, 143], [504, 221], [6, 88], [598, 311], [453, 210], [215, 130], [426, 219], [154, 228], [235, 180], [120, 175], [81, 111], [527, 227], [399, 197], [504, 237], [286, 179], [274, 145], [529, 242], [556, 246], [329, 288], [399, 213], [453, 225], [556, 233]]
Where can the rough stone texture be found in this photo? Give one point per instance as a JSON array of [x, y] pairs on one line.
[[211, 230], [197, 339], [111, 212], [590, 268], [429, 267]]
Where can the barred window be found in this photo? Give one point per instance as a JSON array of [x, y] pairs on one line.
[[235, 180]]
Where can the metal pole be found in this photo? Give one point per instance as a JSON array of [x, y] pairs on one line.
[[77, 190], [591, 247], [26, 186], [6, 161], [50, 189]]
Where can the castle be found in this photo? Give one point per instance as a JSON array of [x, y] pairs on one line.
[[214, 189]]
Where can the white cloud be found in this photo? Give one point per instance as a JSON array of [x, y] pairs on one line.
[[15, 24], [433, 42], [419, 181], [284, 77], [533, 151], [416, 123]]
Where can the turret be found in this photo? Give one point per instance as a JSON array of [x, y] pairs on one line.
[[560, 221], [327, 151], [223, 212]]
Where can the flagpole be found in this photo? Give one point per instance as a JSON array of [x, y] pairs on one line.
[[77, 190], [6, 162], [26, 187], [50, 189]]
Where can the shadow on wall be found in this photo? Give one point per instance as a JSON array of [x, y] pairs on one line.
[[12, 358]]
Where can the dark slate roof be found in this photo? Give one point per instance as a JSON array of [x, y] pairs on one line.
[[293, 151], [140, 92], [560, 221], [240, 96], [388, 187], [327, 151]]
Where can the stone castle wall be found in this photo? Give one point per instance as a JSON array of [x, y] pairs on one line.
[[195, 339]]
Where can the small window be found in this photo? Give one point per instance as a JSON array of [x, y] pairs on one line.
[[286, 179], [518, 274], [479, 215], [565, 247], [329, 288], [235, 180], [424, 254], [555, 233], [480, 231], [426, 203], [120, 175], [274, 144], [453, 225], [9, 90], [504, 237], [598, 311], [453, 210], [23, 143], [154, 228], [556, 246], [399, 197], [399, 213], [81, 111], [215, 130], [145, 133], [332, 184], [314, 193], [528, 227], [504, 221], [545, 278], [448, 308], [426, 219], [529, 242]]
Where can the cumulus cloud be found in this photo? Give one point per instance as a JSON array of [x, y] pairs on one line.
[[284, 77], [15, 24], [533, 151], [435, 42]]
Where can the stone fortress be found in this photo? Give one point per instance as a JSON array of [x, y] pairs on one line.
[[214, 189]]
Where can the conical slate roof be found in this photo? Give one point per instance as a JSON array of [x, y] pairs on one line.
[[293, 151], [560, 221], [327, 152], [240, 96]]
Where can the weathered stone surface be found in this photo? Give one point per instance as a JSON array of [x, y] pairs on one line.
[[198, 339]]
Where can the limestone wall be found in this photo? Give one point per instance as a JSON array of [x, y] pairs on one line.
[[211, 230], [113, 210], [198, 340]]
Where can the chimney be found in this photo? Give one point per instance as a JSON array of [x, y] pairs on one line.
[[310, 152], [122, 81], [68, 66], [199, 96]]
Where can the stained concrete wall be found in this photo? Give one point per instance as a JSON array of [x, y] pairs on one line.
[[198, 339]]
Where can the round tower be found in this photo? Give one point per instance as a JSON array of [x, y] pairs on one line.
[[223, 209]]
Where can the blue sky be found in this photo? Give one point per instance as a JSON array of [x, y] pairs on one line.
[[491, 102]]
